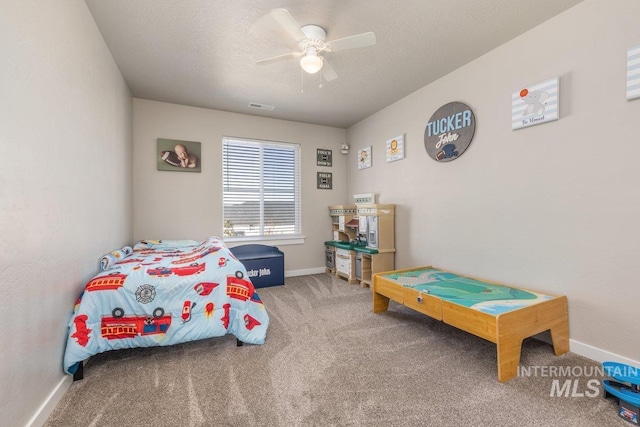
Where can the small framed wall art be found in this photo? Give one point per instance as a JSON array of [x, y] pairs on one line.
[[395, 148], [324, 157], [364, 158], [535, 104], [633, 73], [325, 181], [178, 156]]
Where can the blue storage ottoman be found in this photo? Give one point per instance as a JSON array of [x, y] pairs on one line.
[[265, 264]]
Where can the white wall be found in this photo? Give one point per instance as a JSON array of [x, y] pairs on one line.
[[552, 207], [185, 205], [65, 188]]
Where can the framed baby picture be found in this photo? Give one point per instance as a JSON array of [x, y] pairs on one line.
[[178, 156]]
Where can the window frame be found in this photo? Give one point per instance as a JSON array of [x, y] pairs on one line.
[[276, 239]]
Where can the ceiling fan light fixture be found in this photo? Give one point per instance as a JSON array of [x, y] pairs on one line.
[[311, 63], [312, 43]]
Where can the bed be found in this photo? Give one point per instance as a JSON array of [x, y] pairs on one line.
[[501, 314], [161, 293]]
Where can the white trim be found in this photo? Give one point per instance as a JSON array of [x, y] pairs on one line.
[[305, 272], [598, 354], [275, 241], [50, 403], [590, 352]]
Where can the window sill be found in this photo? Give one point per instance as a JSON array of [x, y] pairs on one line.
[[273, 241]]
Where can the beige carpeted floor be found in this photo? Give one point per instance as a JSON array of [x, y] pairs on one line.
[[329, 361]]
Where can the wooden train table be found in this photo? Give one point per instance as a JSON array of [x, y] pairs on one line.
[[501, 314]]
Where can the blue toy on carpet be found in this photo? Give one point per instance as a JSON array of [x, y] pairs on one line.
[[625, 386]]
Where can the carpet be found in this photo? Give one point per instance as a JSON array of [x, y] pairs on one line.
[[330, 361]]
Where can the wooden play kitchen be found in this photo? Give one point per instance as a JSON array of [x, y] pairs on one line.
[[501, 314], [363, 241]]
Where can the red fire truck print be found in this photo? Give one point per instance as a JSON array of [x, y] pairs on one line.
[[110, 282], [119, 326], [238, 287], [159, 272], [197, 256], [194, 268], [129, 261], [159, 252]]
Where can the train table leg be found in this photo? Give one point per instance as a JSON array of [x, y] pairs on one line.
[[380, 303]]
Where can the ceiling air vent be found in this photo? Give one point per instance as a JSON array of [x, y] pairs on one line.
[[262, 106]]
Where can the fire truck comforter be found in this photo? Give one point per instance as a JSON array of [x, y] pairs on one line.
[[164, 293]]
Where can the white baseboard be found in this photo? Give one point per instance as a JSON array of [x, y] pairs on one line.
[[47, 407], [294, 273], [598, 354]]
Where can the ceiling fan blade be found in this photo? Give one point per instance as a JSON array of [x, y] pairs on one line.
[[279, 58], [352, 42], [281, 24], [327, 71]]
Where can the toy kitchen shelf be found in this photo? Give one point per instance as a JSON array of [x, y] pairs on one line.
[[363, 242]]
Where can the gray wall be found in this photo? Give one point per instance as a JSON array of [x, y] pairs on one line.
[[553, 207], [65, 188], [184, 205]]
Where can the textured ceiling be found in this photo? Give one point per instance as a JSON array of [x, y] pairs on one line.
[[203, 53]]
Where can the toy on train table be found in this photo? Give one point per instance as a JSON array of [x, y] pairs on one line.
[[625, 386]]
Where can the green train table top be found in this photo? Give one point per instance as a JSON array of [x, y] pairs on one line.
[[476, 294]]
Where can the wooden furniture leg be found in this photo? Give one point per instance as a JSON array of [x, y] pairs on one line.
[[560, 338], [380, 302], [513, 327], [508, 351]]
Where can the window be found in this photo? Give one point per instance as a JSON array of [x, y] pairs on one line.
[[261, 189]]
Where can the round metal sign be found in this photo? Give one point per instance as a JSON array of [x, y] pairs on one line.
[[449, 131]]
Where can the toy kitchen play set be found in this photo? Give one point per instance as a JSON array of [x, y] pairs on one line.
[[363, 240]]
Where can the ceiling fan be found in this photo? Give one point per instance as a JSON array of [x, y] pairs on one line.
[[311, 42]]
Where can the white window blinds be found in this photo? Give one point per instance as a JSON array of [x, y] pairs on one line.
[[261, 188]]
